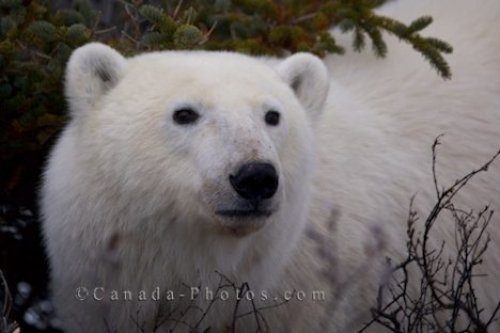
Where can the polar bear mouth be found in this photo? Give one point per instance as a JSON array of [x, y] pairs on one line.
[[254, 213], [242, 222]]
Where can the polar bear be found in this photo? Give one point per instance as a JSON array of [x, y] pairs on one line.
[[182, 175]]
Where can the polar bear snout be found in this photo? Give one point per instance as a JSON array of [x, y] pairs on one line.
[[255, 182], [247, 198]]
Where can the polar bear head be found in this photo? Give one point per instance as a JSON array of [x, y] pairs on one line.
[[209, 142]]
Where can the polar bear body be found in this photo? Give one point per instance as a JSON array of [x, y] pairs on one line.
[[132, 200]]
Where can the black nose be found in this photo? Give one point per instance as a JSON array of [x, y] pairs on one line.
[[255, 181]]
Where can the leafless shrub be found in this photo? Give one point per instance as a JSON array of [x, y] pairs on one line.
[[180, 318], [6, 325], [446, 300]]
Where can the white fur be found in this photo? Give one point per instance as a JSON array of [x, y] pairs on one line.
[[129, 196]]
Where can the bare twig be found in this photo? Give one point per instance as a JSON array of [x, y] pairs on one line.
[[446, 297]]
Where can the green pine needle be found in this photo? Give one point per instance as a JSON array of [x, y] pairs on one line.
[[44, 30], [439, 45], [152, 14], [358, 42], [419, 24]]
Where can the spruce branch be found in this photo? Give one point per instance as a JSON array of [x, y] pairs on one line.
[[44, 30], [152, 14], [359, 15], [359, 40], [419, 24], [431, 48]]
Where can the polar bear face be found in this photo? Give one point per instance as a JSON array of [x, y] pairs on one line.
[[220, 142]]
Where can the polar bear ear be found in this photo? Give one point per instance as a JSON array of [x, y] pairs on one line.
[[308, 77], [92, 70]]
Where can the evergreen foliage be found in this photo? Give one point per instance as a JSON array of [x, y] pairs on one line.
[[36, 41]]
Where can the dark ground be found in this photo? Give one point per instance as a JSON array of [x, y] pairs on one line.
[[22, 256]]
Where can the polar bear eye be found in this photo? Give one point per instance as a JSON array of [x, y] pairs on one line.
[[185, 116], [272, 118]]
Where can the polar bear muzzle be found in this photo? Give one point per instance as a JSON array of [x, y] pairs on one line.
[[255, 183]]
